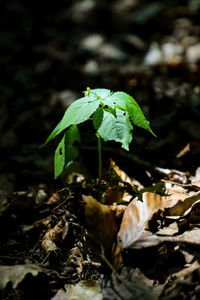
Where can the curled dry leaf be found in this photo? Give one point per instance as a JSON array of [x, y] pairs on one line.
[[48, 242], [175, 175], [101, 225], [176, 192], [182, 206], [133, 230]]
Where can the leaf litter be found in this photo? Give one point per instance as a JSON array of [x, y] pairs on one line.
[[80, 235]]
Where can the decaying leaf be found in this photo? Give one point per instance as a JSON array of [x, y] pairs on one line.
[[16, 274], [75, 260], [48, 242], [134, 231], [84, 290], [185, 285], [101, 224], [176, 192], [135, 221], [140, 287], [175, 175], [182, 206]]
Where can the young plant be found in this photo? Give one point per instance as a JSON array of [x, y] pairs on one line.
[[112, 114]]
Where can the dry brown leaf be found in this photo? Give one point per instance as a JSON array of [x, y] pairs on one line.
[[124, 177], [101, 225], [135, 221], [182, 206], [114, 194], [55, 198], [48, 242]]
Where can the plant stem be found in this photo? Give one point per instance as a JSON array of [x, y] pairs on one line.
[[100, 158]]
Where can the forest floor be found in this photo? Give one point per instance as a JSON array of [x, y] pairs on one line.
[[136, 235]]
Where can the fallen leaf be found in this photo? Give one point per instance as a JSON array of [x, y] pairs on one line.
[[175, 192], [183, 285], [175, 175], [118, 210], [170, 230], [139, 287], [16, 274], [101, 225], [55, 198], [84, 290], [123, 176], [195, 180], [134, 224], [48, 242], [182, 206], [187, 271]]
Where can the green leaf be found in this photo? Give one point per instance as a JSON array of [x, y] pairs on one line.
[[127, 103], [116, 128], [66, 153], [97, 117], [99, 93], [78, 112]]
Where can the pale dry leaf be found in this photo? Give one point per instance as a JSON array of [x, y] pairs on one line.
[[134, 224], [84, 290], [191, 237], [188, 270], [16, 274], [195, 180], [170, 230], [175, 192], [174, 175], [182, 206]]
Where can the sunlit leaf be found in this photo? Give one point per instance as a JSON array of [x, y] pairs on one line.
[[126, 102], [78, 112], [117, 128]]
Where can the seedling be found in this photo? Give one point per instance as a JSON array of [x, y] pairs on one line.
[[112, 114]]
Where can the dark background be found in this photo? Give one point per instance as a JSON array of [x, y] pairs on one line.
[[52, 50]]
